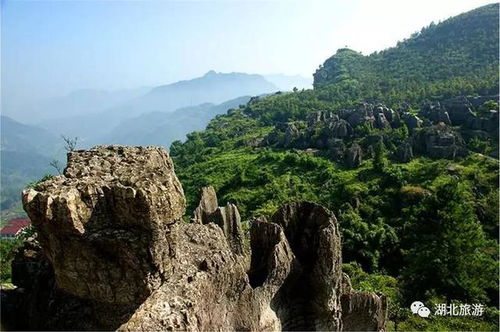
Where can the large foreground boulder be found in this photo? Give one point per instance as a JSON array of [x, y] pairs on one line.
[[105, 224], [113, 253]]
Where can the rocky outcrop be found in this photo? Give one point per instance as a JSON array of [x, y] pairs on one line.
[[391, 115], [361, 116], [439, 141], [104, 225], [412, 121], [113, 253], [353, 156], [227, 218], [459, 110], [208, 204], [291, 133], [436, 114], [364, 312], [310, 298], [321, 116], [37, 303], [341, 129], [381, 122], [336, 149], [404, 153]]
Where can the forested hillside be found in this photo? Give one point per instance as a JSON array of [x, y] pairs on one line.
[[26, 152], [456, 57], [402, 145]]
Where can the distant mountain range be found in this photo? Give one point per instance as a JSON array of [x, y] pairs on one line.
[[161, 128], [214, 88], [25, 154], [143, 116], [77, 103]]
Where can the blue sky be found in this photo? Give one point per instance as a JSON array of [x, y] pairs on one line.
[[51, 48]]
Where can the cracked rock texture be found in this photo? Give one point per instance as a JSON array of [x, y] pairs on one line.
[[112, 252], [228, 218]]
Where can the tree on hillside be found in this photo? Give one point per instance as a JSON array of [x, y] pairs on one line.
[[380, 158], [447, 251]]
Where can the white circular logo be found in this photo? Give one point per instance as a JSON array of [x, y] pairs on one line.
[[424, 312], [415, 306]]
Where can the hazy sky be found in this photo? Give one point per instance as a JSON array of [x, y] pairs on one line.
[[50, 48]]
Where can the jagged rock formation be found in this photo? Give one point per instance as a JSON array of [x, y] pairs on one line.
[[104, 225], [227, 218], [310, 297], [439, 141], [353, 156], [404, 153], [208, 204], [435, 131], [113, 253], [363, 311]]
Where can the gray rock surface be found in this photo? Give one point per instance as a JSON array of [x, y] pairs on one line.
[[404, 153], [310, 297], [208, 204], [227, 218], [340, 129], [439, 141], [364, 312], [381, 122], [411, 121], [353, 156], [363, 115], [103, 225]]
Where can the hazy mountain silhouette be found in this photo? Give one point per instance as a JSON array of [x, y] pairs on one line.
[[26, 152], [162, 128], [211, 88]]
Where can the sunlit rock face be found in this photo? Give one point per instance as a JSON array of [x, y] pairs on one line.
[[105, 224]]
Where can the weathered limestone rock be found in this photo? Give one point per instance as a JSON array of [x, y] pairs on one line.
[[353, 156], [458, 109], [381, 122], [113, 253], [411, 121], [36, 303], [336, 148], [391, 115], [363, 115], [227, 218], [310, 298], [291, 133], [436, 113], [340, 129], [321, 116], [439, 141], [364, 312], [207, 291], [104, 225], [404, 153], [208, 204]]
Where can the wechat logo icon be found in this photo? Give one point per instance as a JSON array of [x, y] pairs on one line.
[[420, 309]]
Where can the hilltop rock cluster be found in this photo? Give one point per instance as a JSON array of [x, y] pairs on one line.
[[112, 252], [351, 134]]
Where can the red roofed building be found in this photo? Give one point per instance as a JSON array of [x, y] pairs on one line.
[[13, 226]]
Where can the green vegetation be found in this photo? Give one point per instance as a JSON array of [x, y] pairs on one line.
[[426, 229], [456, 57], [7, 251]]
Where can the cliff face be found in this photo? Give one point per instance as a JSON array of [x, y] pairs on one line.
[[113, 253]]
